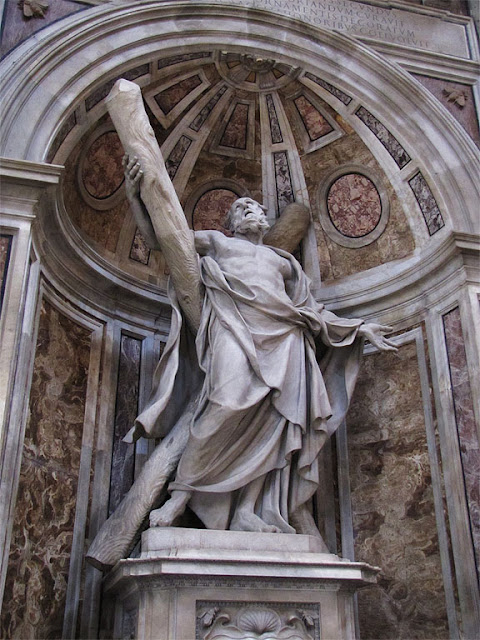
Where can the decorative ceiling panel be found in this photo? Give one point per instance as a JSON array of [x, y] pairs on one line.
[[172, 97]]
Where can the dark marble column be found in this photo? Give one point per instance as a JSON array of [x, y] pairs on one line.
[[126, 410], [5, 248], [465, 420]]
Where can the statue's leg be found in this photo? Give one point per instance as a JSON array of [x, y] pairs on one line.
[[171, 510], [117, 536], [245, 518]]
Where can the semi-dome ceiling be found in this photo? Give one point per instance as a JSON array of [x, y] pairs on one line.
[[231, 124]]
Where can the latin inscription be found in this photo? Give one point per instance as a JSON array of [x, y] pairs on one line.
[[366, 21]]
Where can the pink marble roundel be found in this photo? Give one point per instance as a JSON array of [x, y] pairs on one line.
[[211, 209], [102, 171], [354, 205]]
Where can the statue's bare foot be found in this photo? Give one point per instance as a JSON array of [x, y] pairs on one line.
[[172, 509], [275, 519], [248, 521]]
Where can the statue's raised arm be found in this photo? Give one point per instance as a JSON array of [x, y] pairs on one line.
[[175, 239]]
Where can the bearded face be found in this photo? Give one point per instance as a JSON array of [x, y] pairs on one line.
[[247, 215]]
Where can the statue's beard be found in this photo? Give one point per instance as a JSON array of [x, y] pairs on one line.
[[252, 223]]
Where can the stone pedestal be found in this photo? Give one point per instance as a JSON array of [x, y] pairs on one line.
[[193, 584]]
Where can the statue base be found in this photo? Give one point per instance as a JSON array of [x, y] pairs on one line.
[[191, 584]]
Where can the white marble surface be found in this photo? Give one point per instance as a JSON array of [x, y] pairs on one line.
[[181, 576]]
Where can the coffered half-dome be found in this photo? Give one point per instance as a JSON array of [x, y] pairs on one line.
[[231, 124], [284, 112]]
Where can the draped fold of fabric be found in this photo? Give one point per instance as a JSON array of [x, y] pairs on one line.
[[266, 400]]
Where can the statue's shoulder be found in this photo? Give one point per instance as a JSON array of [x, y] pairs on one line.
[[208, 239]]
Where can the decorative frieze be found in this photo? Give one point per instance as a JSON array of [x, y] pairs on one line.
[[408, 26], [384, 136], [427, 203]]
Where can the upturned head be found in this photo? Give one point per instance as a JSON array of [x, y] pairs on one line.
[[246, 217]]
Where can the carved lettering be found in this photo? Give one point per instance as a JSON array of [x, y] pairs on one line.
[[400, 26]]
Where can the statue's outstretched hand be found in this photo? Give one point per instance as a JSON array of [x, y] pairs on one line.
[[375, 334], [133, 176]]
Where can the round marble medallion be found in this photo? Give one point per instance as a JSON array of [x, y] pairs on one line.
[[354, 205], [102, 171]]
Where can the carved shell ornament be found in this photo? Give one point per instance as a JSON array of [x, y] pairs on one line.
[[33, 8], [254, 623], [258, 621]]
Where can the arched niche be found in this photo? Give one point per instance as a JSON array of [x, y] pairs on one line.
[[45, 79]]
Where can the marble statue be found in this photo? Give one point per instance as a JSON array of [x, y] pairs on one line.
[[257, 391]]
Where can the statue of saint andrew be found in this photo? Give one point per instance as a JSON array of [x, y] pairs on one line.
[[254, 378], [266, 405]]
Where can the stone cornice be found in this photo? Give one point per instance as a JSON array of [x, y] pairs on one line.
[[412, 285], [29, 173], [22, 185]]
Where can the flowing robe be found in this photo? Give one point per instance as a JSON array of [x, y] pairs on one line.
[[264, 401]]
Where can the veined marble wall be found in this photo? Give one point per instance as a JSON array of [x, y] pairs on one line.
[[392, 501], [395, 242], [41, 545]]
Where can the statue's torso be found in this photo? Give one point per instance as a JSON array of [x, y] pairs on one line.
[[256, 266]]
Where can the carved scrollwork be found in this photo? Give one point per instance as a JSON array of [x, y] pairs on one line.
[[207, 616]]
